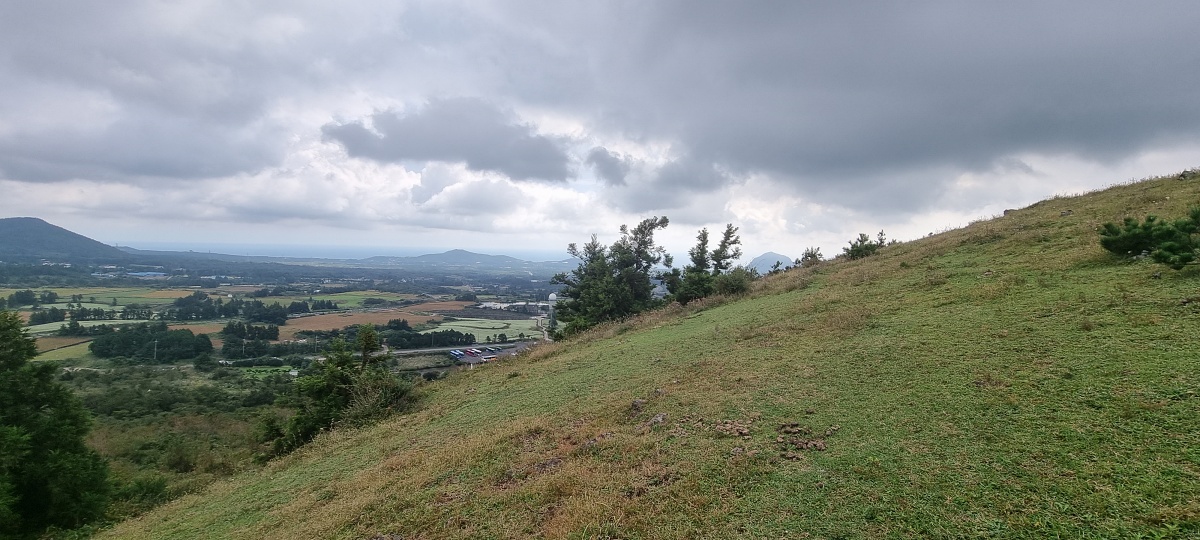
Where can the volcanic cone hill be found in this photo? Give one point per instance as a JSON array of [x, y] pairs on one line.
[[1006, 379]]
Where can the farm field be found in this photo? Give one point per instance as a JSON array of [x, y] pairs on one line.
[[104, 296], [72, 352], [450, 305], [50, 343], [489, 327], [209, 328], [332, 321], [49, 328]]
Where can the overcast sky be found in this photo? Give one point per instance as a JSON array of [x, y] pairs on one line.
[[517, 127]]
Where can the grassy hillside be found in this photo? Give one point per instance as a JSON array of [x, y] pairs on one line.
[[1008, 379]]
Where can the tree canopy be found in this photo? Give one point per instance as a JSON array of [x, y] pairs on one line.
[[617, 281], [709, 271], [611, 282], [48, 476]]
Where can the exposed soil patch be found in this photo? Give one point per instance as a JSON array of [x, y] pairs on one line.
[[794, 438], [733, 428]]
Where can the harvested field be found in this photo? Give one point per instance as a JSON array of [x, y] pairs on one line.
[[339, 320], [202, 328], [441, 306], [50, 343]]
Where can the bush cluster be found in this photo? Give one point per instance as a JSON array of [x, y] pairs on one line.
[[1169, 243]]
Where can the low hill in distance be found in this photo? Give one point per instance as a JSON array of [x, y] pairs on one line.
[[32, 240], [1008, 379], [27, 239], [764, 262]]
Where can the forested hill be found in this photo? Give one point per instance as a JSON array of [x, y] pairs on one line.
[[1010, 379], [27, 239]]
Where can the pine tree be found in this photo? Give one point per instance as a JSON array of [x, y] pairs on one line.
[[48, 476], [611, 283]]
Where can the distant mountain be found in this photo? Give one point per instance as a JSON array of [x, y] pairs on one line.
[[764, 262], [31, 240], [458, 259], [455, 261], [454, 257], [26, 239]]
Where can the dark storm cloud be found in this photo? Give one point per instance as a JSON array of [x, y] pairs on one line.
[[670, 186], [465, 130], [848, 93], [611, 168]]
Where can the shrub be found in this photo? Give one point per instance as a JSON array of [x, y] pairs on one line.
[[810, 257], [863, 246], [1172, 244], [736, 282]]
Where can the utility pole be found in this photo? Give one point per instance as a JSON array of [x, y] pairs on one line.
[[156, 351]]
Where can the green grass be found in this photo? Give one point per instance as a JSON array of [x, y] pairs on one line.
[[1005, 380]]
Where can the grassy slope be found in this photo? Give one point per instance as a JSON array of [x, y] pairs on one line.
[[1006, 379]]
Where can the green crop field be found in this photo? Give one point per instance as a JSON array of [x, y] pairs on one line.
[[1005, 380]]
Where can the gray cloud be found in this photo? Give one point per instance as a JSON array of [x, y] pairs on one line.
[[131, 148], [612, 168], [669, 187], [876, 109], [827, 96], [465, 130]]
